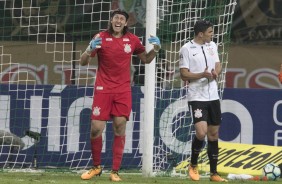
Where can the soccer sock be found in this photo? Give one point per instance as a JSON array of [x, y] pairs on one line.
[[213, 155], [96, 148], [196, 149], [118, 147]]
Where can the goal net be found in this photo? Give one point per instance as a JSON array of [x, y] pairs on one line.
[[46, 96]]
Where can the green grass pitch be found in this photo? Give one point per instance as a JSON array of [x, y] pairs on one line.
[[74, 178]]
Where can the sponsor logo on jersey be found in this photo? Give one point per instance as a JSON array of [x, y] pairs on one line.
[[193, 47], [96, 111], [125, 39], [109, 39], [195, 54], [210, 51], [127, 48], [99, 88]]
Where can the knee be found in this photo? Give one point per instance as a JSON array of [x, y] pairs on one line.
[[213, 136], [119, 130], [201, 136], [95, 133]]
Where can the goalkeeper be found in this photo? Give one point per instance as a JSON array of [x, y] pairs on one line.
[[199, 64], [112, 91]]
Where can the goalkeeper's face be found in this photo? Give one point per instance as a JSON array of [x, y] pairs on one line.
[[207, 35], [118, 23]]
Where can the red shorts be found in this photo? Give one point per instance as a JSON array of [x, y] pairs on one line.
[[107, 105]]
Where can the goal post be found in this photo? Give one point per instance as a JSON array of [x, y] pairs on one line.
[[149, 93], [46, 96]]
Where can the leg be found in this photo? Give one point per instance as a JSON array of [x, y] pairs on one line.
[[197, 145], [199, 113], [119, 127], [213, 129], [198, 141], [213, 147], [97, 128], [121, 111], [100, 113]]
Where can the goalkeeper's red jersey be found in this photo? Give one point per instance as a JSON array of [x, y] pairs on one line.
[[114, 59]]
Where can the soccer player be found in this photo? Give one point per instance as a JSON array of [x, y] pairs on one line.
[[112, 91], [280, 74], [200, 65]]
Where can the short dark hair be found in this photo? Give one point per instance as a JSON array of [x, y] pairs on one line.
[[120, 11], [201, 26]]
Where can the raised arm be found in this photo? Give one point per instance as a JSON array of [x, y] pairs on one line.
[[94, 44], [148, 57]]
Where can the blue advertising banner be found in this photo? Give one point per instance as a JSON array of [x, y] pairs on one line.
[[61, 115]]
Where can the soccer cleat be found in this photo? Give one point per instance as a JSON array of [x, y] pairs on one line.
[[114, 176], [193, 173], [216, 178], [95, 171]]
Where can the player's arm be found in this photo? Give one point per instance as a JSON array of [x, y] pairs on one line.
[[94, 44], [186, 75], [84, 59], [215, 72], [148, 57], [217, 68]]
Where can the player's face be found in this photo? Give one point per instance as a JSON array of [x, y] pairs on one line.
[[118, 22], [207, 35]]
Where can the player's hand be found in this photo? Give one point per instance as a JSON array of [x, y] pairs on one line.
[[94, 44], [214, 74], [207, 74], [154, 40]]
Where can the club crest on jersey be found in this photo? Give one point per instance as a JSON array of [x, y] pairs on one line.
[[198, 113], [127, 48], [96, 111], [210, 51]]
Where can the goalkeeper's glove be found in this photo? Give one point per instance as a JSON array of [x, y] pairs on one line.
[[154, 40], [93, 44]]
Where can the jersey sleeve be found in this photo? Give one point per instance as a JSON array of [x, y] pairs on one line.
[[183, 58], [139, 47], [216, 57]]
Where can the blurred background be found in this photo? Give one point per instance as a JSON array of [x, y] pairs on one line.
[[254, 54]]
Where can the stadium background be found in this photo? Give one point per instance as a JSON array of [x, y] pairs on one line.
[[254, 57]]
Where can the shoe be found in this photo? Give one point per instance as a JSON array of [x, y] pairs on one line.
[[216, 178], [114, 176], [95, 171], [193, 173]]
